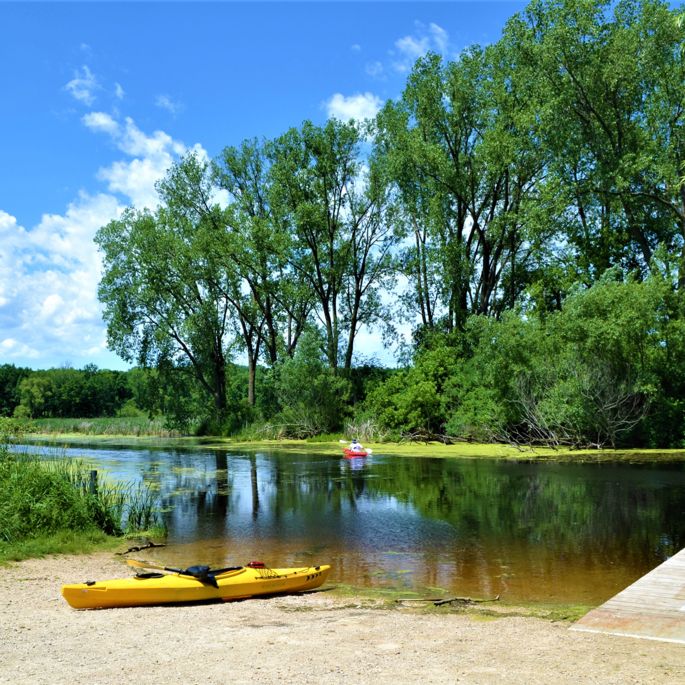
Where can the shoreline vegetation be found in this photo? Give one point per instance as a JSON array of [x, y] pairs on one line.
[[61, 505], [91, 540], [113, 432]]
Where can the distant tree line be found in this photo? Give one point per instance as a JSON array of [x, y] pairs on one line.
[[522, 207], [63, 392]]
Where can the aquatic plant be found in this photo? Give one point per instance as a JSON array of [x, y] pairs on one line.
[[41, 497]]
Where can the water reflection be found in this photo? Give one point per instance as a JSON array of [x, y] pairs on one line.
[[528, 531]]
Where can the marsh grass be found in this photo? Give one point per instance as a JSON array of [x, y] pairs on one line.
[[46, 502], [62, 542], [120, 425]]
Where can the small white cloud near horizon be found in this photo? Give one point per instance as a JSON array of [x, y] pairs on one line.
[[83, 86], [358, 107]]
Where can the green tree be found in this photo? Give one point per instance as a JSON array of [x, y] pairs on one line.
[[10, 377], [260, 247], [311, 397], [164, 297], [340, 241], [586, 375], [459, 149], [35, 393], [608, 86], [412, 401]]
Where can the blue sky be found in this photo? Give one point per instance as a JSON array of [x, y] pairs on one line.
[[99, 98]]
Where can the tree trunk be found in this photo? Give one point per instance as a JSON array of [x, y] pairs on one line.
[[251, 374]]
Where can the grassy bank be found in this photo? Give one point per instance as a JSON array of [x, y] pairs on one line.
[[458, 450], [110, 426], [49, 506], [333, 446]]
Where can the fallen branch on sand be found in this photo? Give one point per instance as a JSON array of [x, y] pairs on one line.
[[460, 600], [147, 545]]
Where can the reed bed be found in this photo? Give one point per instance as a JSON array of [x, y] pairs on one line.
[[40, 497], [133, 425]]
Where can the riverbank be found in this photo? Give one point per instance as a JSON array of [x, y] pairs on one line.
[[464, 450], [308, 638]]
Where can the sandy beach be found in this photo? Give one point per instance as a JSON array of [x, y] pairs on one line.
[[312, 638]]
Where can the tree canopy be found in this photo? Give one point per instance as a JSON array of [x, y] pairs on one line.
[[521, 207]]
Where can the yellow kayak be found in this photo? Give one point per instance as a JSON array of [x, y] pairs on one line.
[[195, 584]]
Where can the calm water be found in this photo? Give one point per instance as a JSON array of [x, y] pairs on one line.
[[551, 531]]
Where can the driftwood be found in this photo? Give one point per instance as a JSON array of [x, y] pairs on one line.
[[427, 436], [149, 544], [440, 601]]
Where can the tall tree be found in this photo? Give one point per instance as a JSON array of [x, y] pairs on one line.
[[259, 247], [608, 86], [459, 148], [163, 297], [340, 242]]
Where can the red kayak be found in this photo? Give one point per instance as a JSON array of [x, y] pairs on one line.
[[354, 453]]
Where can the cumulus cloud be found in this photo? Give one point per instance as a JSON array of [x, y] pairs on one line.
[[48, 280], [101, 122], [49, 273], [83, 86], [152, 154], [358, 107]]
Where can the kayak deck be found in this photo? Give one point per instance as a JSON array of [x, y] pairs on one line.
[[176, 588]]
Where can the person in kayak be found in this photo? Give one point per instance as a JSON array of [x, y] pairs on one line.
[[356, 446]]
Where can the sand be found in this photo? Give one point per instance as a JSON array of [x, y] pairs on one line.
[[314, 638]]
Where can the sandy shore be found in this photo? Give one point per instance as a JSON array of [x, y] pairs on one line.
[[311, 638]]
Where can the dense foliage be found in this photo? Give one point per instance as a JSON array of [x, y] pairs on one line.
[[521, 207]]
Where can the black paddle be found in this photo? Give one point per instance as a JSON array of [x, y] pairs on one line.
[[202, 573]]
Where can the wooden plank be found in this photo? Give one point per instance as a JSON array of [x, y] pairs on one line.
[[653, 607]]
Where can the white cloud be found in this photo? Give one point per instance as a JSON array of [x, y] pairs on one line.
[[440, 38], [165, 102], [83, 86], [49, 274], [358, 107], [102, 122], [375, 69], [48, 277], [152, 155], [135, 179], [136, 143], [119, 92], [412, 47], [12, 348], [424, 39]]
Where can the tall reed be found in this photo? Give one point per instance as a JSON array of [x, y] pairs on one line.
[[137, 426], [43, 496]]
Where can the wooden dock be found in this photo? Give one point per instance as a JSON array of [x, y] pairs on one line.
[[652, 607]]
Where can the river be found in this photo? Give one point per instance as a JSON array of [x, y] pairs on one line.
[[554, 532]]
